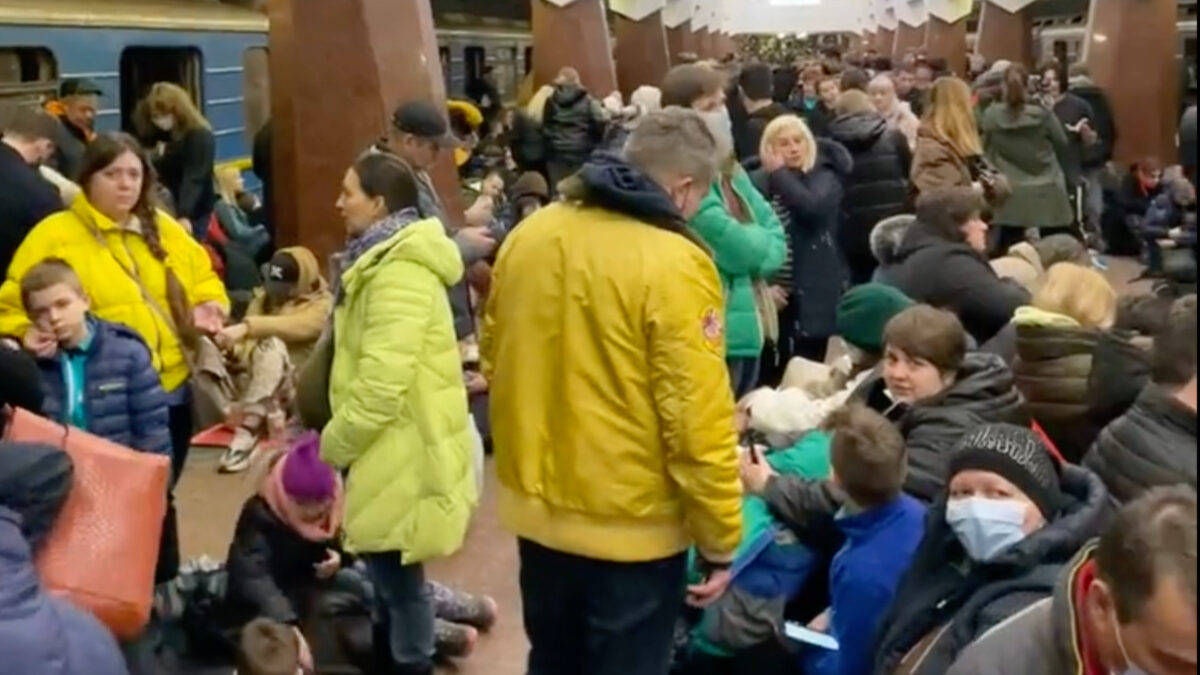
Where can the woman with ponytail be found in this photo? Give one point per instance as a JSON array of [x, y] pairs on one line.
[[139, 267], [1026, 142]]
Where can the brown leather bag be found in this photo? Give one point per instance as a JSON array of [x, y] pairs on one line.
[[102, 551]]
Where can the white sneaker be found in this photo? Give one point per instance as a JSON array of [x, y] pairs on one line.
[[241, 450]]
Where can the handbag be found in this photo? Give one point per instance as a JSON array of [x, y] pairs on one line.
[[996, 189], [312, 383], [103, 548]]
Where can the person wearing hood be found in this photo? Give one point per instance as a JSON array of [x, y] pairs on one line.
[[1028, 145], [1096, 156], [997, 537], [1125, 604], [573, 124], [39, 631], [877, 188], [940, 261], [805, 177], [755, 88], [1154, 443], [895, 112], [735, 221], [1051, 344], [400, 430], [602, 562]]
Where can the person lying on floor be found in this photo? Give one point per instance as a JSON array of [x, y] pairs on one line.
[[39, 632], [285, 552], [96, 375], [246, 370]]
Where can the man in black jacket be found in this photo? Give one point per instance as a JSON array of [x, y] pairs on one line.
[[25, 197], [1096, 156], [1154, 443], [754, 87], [573, 126], [78, 100]]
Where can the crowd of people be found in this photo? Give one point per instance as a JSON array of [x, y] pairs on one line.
[[785, 369]]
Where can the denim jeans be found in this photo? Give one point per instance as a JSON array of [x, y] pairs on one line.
[[743, 375], [596, 617], [405, 607]]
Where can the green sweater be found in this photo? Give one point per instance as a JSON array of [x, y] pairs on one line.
[[744, 253]]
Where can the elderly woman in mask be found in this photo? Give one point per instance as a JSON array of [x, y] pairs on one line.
[[996, 539], [738, 224]]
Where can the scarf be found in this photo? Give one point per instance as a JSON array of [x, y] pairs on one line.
[[374, 235], [286, 510]]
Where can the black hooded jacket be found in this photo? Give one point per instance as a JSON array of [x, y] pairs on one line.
[[945, 593], [571, 125], [951, 275], [876, 189]]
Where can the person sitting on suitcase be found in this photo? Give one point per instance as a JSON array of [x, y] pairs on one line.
[[96, 375]]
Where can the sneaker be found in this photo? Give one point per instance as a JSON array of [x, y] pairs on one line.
[[241, 450], [454, 640], [478, 611]]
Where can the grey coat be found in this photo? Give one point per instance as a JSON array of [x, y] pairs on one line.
[[1031, 150], [1035, 641]]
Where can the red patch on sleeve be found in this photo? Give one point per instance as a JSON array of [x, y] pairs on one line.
[[712, 326]]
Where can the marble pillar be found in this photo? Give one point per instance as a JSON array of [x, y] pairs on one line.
[[574, 35], [1130, 50], [885, 41], [680, 40], [947, 40], [641, 54], [1005, 35], [908, 38], [338, 70]]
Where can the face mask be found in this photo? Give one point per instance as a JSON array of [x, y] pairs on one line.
[[164, 122], [721, 127], [1130, 667], [986, 527]]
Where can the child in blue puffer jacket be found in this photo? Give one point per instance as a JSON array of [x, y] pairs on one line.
[[96, 375]]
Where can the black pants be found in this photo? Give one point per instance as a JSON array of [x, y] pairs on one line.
[[593, 617], [181, 442]]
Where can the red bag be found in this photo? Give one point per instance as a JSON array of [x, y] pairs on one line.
[[103, 549]]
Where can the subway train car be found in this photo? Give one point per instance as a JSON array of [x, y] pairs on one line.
[[217, 52]]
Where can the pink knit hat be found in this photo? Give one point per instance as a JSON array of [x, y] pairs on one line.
[[305, 477]]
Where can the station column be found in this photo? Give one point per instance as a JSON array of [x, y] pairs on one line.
[[573, 33], [911, 33], [641, 54], [1130, 50], [946, 33], [337, 72], [1006, 31]]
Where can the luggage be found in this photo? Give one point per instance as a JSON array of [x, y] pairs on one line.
[[102, 550]]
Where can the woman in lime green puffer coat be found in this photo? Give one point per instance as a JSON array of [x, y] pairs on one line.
[[400, 421], [749, 247]]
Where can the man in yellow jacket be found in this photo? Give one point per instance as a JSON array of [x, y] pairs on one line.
[[613, 424]]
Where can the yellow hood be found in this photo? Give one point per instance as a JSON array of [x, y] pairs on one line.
[[1032, 316]]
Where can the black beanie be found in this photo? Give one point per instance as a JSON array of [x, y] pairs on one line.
[[1019, 456]]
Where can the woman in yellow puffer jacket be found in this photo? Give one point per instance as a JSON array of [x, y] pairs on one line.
[[119, 244], [399, 403]]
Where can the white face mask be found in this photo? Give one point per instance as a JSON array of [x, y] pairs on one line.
[[721, 127], [164, 122]]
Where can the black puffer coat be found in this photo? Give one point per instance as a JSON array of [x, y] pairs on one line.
[[270, 567], [950, 275], [1152, 445], [876, 189], [571, 125], [1120, 371], [945, 592], [1052, 369], [983, 393]]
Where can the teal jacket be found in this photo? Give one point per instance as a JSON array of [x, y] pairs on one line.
[[744, 253]]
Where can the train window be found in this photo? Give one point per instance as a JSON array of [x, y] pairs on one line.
[[475, 59], [504, 73], [27, 75], [256, 90], [142, 67], [444, 57], [1061, 52], [528, 60]]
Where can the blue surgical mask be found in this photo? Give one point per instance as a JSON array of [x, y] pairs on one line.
[[1130, 667], [986, 527]]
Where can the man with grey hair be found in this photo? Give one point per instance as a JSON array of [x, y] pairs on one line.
[[1125, 604], [604, 344]]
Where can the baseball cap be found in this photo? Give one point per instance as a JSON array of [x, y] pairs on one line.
[[77, 86], [282, 268], [423, 120]]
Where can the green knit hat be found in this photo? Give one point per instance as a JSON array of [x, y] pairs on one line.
[[864, 312]]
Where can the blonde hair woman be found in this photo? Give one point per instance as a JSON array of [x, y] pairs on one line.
[[948, 139], [235, 220], [187, 153], [1056, 336], [877, 188], [805, 178]]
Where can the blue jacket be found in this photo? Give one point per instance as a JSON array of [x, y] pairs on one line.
[[880, 544], [38, 632], [1165, 215], [124, 401]]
